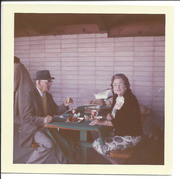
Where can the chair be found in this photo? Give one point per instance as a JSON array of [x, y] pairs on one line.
[[122, 156], [34, 145], [21, 154]]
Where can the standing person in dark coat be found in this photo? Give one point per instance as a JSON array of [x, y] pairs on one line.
[[39, 109], [22, 83], [124, 117]]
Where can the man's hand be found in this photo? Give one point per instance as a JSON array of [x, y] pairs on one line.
[[68, 102], [48, 119]]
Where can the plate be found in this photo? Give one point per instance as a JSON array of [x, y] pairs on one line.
[[79, 121], [99, 117]]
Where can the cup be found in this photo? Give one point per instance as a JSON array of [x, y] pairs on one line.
[[94, 113]]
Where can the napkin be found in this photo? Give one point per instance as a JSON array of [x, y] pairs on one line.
[[104, 95]]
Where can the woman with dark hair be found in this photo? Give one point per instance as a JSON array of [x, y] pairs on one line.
[[124, 117]]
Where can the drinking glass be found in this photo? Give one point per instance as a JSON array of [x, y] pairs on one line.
[[94, 113]]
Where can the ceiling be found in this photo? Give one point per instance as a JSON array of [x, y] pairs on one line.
[[116, 25]]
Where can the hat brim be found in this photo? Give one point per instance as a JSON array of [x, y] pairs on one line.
[[52, 78]]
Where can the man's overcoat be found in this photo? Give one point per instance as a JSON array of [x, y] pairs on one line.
[[22, 83], [33, 115]]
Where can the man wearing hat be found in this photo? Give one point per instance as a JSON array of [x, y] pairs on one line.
[[39, 109]]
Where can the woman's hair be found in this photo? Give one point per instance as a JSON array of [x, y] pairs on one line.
[[120, 76]]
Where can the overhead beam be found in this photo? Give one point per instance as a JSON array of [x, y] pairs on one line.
[[116, 25], [99, 21], [150, 28]]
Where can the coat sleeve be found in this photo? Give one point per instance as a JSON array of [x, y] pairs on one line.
[[29, 112], [16, 78], [57, 109], [127, 119], [62, 109]]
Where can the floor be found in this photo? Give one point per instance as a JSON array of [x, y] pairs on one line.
[[148, 152]]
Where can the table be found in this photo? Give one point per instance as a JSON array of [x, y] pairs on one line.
[[83, 127]]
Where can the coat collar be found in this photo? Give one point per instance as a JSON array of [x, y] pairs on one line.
[[127, 92], [40, 92], [126, 95]]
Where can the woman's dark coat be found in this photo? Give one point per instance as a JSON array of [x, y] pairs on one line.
[[128, 119]]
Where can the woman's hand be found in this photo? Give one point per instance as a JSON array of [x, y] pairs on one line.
[[109, 117], [95, 122]]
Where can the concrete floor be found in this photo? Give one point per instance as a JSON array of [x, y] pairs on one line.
[[148, 152]]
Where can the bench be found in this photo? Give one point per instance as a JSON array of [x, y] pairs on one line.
[[124, 155]]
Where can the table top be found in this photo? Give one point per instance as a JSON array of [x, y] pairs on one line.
[[60, 122]]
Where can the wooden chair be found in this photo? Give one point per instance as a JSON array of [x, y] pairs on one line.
[[122, 156], [34, 145]]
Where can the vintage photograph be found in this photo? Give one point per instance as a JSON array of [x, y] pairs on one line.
[[89, 88]]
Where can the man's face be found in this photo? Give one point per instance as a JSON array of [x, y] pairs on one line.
[[44, 85]]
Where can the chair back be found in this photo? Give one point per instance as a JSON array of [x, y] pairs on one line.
[[144, 112]]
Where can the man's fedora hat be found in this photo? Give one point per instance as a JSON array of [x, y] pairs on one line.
[[43, 75]]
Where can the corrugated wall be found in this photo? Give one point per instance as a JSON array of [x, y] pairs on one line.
[[84, 64]]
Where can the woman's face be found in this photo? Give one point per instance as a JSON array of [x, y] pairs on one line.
[[119, 87]]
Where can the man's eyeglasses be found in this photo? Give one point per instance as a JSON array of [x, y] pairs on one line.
[[48, 81]]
